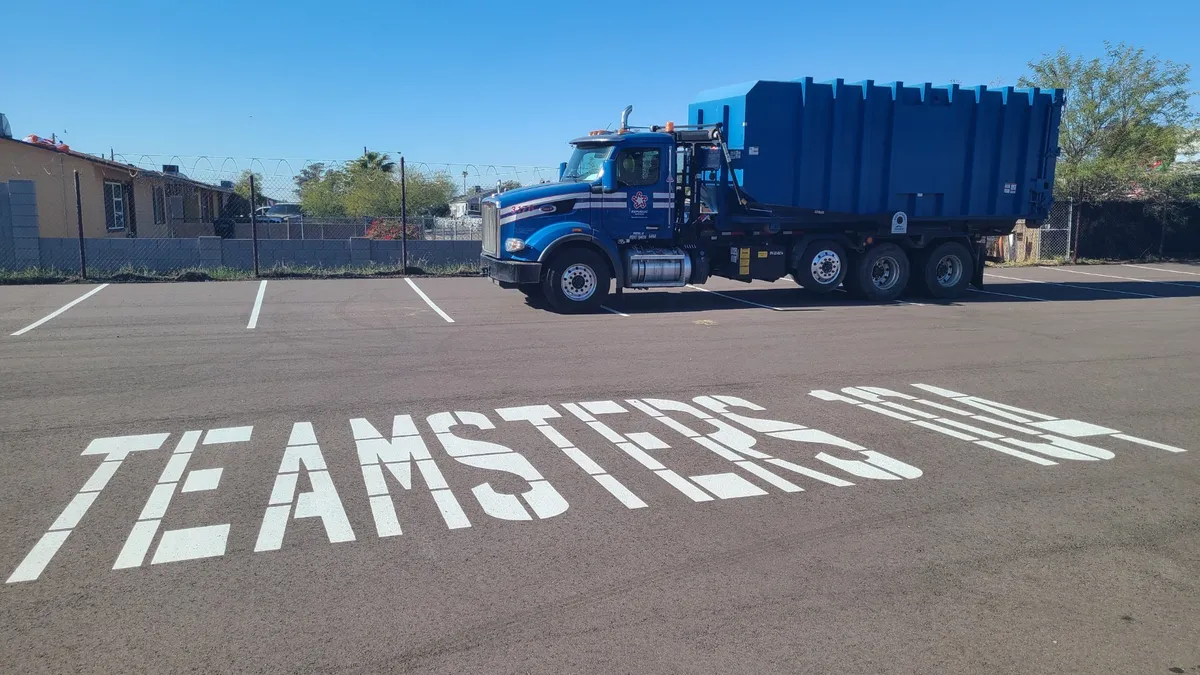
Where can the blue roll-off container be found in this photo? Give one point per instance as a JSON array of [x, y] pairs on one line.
[[945, 152]]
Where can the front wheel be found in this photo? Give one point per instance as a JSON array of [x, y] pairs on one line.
[[881, 273], [576, 281]]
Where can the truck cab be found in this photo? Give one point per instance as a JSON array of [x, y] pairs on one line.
[[616, 189]]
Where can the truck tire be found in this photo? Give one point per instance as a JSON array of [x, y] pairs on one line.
[[577, 281], [881, 273], [946, 270], [822, 267]]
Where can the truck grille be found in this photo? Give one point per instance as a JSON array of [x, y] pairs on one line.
[[491, 229]]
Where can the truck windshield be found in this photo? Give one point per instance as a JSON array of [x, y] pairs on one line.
[[585, 162]]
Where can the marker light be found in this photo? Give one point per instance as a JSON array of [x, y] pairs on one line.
[[514, 245]]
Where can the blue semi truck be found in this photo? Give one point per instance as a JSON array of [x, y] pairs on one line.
[[876, 188]]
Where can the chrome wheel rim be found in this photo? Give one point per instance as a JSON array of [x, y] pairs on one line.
[[885, 272], [949, 271], [579, 282], [826, 267]]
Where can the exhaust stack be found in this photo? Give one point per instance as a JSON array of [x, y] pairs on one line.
[[625, 117]]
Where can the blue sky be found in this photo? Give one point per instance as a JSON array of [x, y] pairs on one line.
[[489, 82]]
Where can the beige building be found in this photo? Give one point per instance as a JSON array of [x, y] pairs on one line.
[[118, 200]]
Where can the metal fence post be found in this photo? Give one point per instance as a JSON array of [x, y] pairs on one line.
[[1075, 229], [79, 220], [1071, 226], [403, 218], [253, 225]]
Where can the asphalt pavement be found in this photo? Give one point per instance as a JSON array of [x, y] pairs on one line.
[[437, 475]]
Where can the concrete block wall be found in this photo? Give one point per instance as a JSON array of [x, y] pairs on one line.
[[6, 243], [426, 252], [159, 255], [237, 253], [21, 247], [59, 254], [23, 223]]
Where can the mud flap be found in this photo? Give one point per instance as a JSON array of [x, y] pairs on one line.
[[980, 262]]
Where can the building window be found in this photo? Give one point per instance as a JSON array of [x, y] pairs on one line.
[[205, 205], [638, 167], [114, 206], [160, 205]]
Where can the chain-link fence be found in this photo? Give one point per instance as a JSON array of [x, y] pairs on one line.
[[1049, 243], [69, 213]]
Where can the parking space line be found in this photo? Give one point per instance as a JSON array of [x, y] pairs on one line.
[[898, 302], [1084, 288], [60, 310], [1161, 269], [1008, 295], [730, 297], [1148, 281], [610, 309], [262, 289], [428, 301]]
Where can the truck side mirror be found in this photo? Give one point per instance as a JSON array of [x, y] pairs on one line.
[[562, 168], [608, 175]]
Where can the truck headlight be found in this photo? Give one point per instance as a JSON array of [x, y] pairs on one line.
[[513, 245]]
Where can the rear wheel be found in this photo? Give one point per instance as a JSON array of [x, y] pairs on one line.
[[822, 267], [881, 273], [946, 270], [576, 281]]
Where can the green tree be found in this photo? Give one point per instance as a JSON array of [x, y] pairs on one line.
[[1126, 114], [375, 161], [509, 185], [241, 187], [371, 192], [309, 173], [366, 190], [324, 196], [429, 194]]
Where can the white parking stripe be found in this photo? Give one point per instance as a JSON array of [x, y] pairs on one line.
[[1162, 269], [730, 297], [841, 289], [1007, 295], [60, 310], [253, 323], [1085, 288], [1147, 281], [428, 301]]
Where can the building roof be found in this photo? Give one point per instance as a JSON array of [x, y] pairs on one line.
[[134, 170]]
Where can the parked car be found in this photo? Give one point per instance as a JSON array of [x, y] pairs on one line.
[[282, 213]]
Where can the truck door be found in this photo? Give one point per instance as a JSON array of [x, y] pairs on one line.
[[641, 207]]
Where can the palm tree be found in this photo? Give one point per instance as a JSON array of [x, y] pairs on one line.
[[377, 161]]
